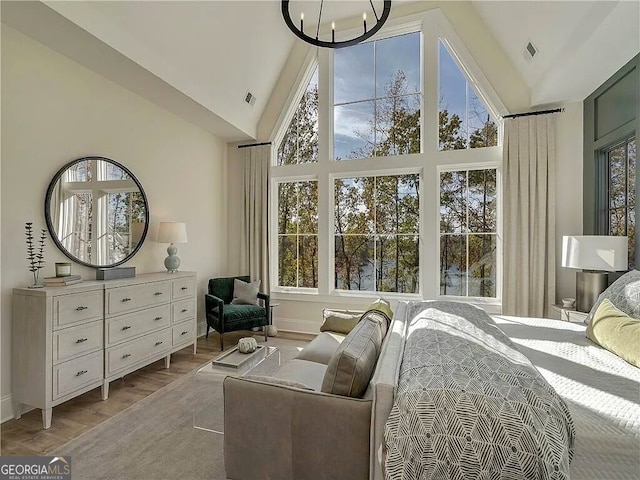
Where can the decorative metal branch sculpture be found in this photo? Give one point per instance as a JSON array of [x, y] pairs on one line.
[[35, 253]]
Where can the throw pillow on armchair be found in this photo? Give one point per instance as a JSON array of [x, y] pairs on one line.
[[245, 293]]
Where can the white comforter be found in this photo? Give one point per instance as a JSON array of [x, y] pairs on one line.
[[601, 390]]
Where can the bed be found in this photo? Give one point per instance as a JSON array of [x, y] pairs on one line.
[[509, 397], [601, 390]]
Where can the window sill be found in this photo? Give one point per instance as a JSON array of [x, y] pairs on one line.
[[490, 305]]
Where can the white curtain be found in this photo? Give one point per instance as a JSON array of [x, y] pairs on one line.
[[529, 215], [254, 256]]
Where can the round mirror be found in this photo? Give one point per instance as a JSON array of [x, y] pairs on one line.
[[97, 212]]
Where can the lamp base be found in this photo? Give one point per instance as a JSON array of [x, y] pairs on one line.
[[172, 262], [589, 285]]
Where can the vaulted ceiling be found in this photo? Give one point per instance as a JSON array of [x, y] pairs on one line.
[[200, 58]]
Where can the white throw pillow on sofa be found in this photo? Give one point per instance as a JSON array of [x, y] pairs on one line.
[[245, 293]]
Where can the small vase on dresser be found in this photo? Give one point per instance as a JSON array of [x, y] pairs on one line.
[[69, 340]]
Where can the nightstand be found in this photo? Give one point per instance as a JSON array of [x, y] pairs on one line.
[[569, 314]]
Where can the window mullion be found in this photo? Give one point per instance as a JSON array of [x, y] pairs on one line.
[[626, 188], [467, 230]]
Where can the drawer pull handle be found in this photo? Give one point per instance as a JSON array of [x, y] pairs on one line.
[[125, 300], [157, 318], [184, 288], [80, 340], [126, 355], [184, 310], [159, 343], [80, 308], [81, 372], [184, 333], [126, 327], [157, 293]]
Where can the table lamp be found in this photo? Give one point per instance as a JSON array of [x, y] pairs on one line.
[[598, 254], [172, 232]]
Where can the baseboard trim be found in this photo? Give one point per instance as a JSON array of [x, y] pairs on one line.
[[201, 329], [296, 325], [292, 325], [6, 408]]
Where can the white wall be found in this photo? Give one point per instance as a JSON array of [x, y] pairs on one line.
[[569, 161], [235, 158], [54, 111]]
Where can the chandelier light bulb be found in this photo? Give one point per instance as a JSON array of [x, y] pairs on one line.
[[364, 21], [333, 31], [302, 21]]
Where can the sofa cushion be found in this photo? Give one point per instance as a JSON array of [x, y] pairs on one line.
[[237, 313], [624, 294], [615, 331], [278, 381], [321, 348], [303, 371], [339, 321], [351, 366]]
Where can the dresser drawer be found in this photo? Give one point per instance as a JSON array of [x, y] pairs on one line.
[[75, 341], [184, 332], [132, 325], [76, 374], [130, 353], [76, 308], [183, 288], [135, 297], [183, 310]]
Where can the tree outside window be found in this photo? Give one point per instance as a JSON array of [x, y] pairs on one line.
[[300, 141], [377, 98], [377, 244], [464, 120], [621, 193], [377, 90], [298, 234], [468, 233]]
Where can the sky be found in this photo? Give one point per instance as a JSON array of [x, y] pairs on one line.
[[361, 73]]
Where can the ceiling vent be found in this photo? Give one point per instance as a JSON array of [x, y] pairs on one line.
[[530, 51], [250, 98]]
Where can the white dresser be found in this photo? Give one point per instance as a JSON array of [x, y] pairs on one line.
[[69, 340]]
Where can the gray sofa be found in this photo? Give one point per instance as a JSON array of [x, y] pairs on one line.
[[315, 418]]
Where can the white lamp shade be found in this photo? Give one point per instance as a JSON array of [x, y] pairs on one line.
[[172, 232], [595, 252]]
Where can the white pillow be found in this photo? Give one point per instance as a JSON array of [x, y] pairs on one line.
[[245, 293]]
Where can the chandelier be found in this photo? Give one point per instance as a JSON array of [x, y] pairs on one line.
[[314, 40]]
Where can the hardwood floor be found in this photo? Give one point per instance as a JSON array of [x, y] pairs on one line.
[[74, 417]]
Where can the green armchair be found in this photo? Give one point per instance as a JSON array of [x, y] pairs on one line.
[[224, 317]]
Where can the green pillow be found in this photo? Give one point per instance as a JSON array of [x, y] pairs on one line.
[[616, 331], [339, 321], [383, 306]]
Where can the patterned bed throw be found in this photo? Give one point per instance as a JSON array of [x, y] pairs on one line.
[[470, 406]]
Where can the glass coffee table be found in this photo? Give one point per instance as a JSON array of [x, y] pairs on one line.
[[208, 397]]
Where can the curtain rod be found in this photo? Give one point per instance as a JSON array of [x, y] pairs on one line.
[[254, 145], [541, 112]]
